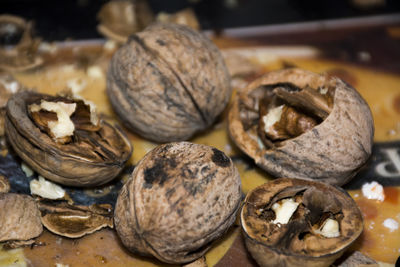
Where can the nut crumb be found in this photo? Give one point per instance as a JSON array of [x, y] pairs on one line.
[[391, 224], [373, 190], [46, 189]]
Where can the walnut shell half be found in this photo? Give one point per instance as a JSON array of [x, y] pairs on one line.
[[21, 53], [75, 221], [300, 241], [168, 82], [93, 155], [295, 123], [180, 198]]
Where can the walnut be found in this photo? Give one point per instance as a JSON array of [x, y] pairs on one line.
[[66, 146], [299, 124], [168, 82], [322, 221], [75, 221], [19, 218], [180, 198]]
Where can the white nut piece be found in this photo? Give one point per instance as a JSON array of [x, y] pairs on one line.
[[46, 189], [284, 211], [63, 126], [329, 229]]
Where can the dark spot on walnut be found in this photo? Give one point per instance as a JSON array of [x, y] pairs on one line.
[[220, 159], [160, 42], [157, 173]]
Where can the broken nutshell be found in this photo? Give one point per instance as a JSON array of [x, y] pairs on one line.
[[119, 19], [19, 219], [180, 198], [75, 221], [63, 139], [185, 16], [168, 82], [295, 123], [296, 222], [18, 47]]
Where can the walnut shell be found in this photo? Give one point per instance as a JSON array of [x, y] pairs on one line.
[[75, 221], [19, 217], [298, 243], [92, 157], [180, 198], [331, 151], [21, 55], [168, 82], [119, 19]]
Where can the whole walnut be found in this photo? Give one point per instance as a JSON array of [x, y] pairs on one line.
[[168, 82], [180, 197]]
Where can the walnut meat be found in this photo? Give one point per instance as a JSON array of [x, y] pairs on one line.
[[295, 123], [61, 140], [180, 198], [296, 222], [19, 218], [168, 82]]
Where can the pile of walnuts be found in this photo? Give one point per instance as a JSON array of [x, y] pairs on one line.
[[168, 83]]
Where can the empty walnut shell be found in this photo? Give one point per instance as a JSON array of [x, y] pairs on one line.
[[18, 47], [75, 221], [92, 156], [19, 218], [298, 242], [180, 198], [168, 82], [325, 131], [119, 18]]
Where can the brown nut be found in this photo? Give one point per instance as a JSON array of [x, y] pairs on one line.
[[168, 82], [75, 221], [295, 123], [92, 154], [180, 198], [19, 218], [296, 222]]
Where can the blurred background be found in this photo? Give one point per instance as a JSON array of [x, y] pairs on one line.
[[77, 19]]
